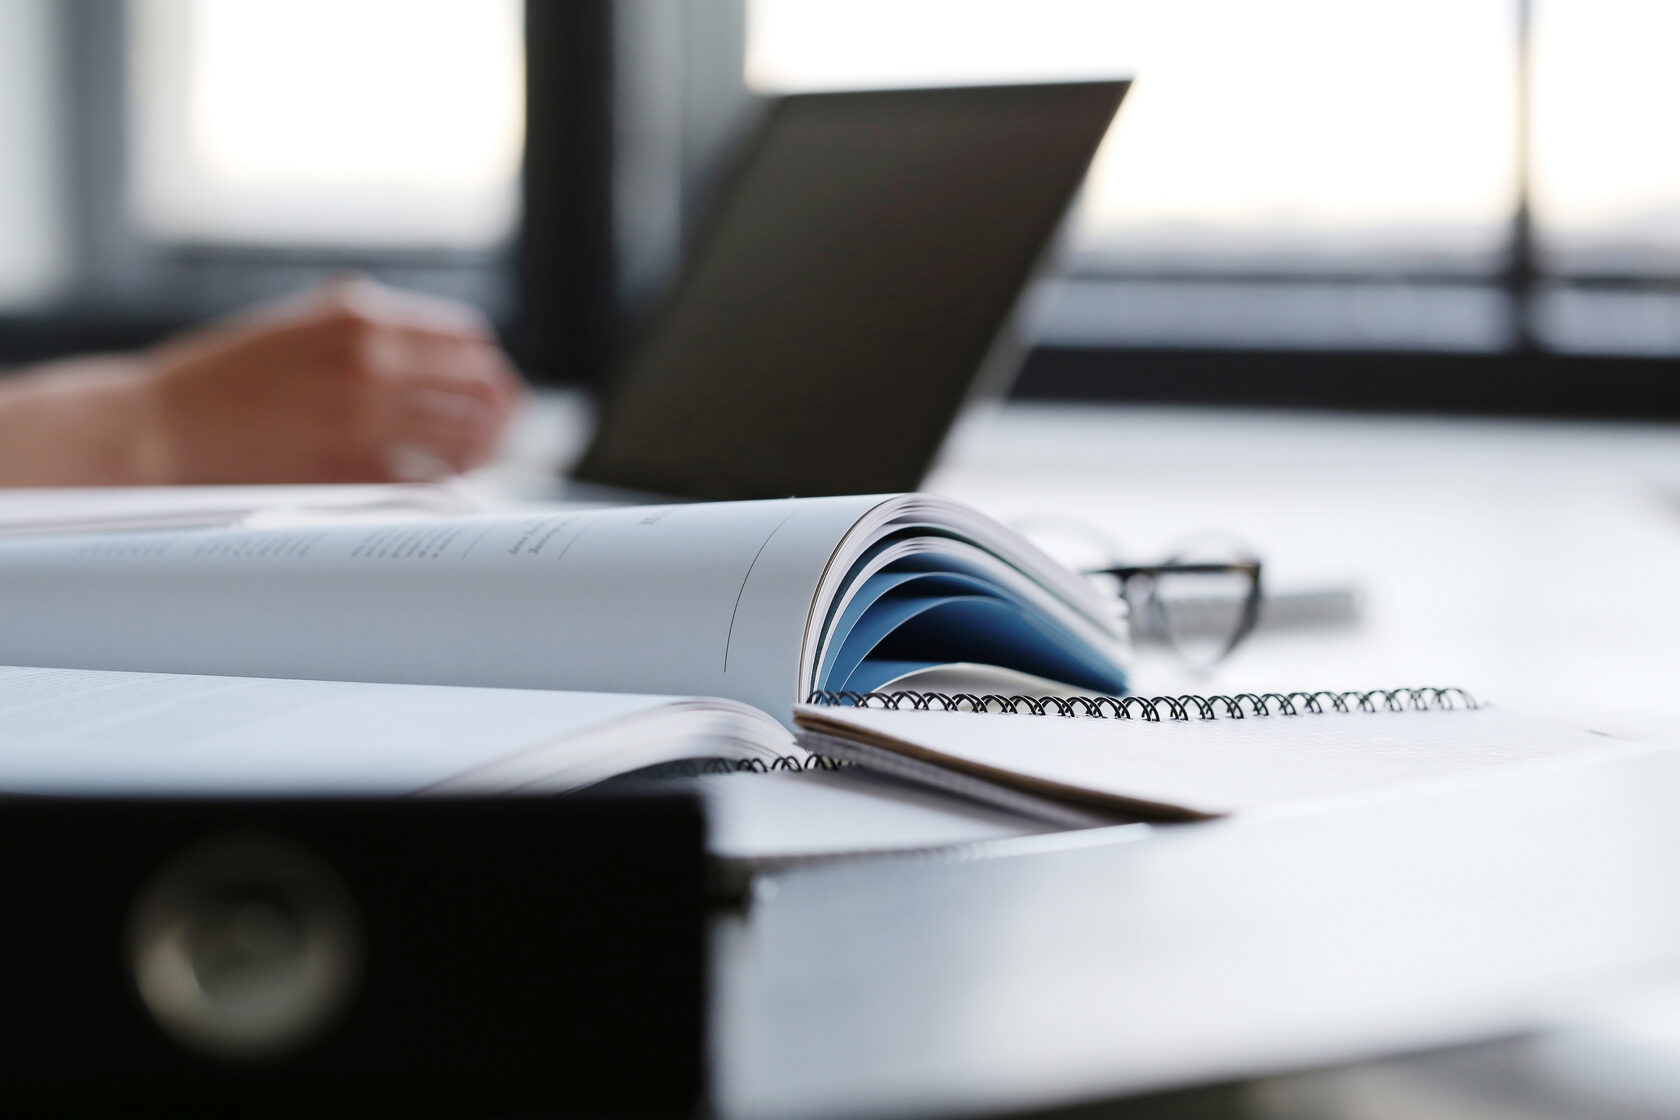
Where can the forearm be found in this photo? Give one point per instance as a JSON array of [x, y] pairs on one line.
[[80, 422]]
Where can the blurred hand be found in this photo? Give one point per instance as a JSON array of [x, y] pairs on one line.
[[354, 382]]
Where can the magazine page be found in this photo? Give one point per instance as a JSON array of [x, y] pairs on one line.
[[707, 599], [68, 509], [82, 732]]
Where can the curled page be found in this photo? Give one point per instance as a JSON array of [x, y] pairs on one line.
[[754, 601]]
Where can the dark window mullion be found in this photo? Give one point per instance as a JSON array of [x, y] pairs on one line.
[[104, 247]]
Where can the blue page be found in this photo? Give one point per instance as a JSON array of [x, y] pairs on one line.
[[934, 608], [876, 586], [885, 618], [852, 641], [993, 632]]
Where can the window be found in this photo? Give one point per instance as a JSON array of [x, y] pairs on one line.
[[1292, 134], [1606, 177], [1314, 176], [1606, 181], [1301, 189], [171, 159], [391, 123]]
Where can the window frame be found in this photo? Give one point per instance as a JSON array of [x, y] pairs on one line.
[[1523, 379], [125, 289], [636, 98]]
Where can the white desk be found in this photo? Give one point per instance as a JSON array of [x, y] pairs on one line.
[[932, 988], [1530, 563], [1535, 564]]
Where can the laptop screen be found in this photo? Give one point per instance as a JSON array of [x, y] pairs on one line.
[[840, 304]]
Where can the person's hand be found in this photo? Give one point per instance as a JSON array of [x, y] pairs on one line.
[[354, 382]]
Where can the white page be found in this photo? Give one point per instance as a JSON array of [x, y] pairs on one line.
[[100, 508], [706, 599], [805, 814], [68, 731], [1219, 766]]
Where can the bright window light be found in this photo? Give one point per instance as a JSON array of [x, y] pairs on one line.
[[1310, 132], [365, 122], [1606, 170]]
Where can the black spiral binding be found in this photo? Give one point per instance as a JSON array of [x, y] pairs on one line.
[[1153, 709], [785, 762]]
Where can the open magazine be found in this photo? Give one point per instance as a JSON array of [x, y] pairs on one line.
[[759, 602], [355, 658]]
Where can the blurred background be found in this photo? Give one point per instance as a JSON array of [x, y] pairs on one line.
[[1443, 205]]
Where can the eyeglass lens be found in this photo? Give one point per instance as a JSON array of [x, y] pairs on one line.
[[1201, 602]]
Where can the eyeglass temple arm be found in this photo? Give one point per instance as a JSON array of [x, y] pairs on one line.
[[1246, 567]]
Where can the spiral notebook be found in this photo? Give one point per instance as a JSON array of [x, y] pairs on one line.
[[1185, 757]]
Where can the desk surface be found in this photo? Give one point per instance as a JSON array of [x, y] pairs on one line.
[[1203, 952], [1530, 563]]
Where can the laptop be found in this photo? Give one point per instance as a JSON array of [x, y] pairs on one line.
[[853, 287]]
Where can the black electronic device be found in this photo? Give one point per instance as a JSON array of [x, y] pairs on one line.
[[856, 280], [422, 956]]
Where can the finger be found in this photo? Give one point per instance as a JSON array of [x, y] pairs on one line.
[[457, 431], [410, 360], [482, 370]]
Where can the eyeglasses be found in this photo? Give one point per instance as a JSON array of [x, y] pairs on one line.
[[1199, 603], [1201, 609]]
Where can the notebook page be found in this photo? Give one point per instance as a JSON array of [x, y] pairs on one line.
[[1213, 767]]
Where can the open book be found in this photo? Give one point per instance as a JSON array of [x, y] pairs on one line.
[[759, 602], [81, 732]]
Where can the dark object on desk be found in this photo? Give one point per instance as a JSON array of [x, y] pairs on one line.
[[420, 956], [1201, 609], [849, 292]]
